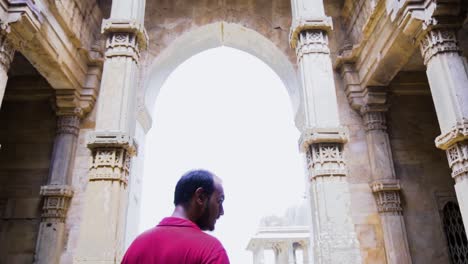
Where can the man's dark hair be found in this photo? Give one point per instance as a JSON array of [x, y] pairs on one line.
[[190, 182]]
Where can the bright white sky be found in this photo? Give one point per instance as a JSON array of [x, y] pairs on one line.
[[226, 111]]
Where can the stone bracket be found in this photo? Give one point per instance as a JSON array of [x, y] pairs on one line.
[[298, 25], [322, 135], [112, 139]]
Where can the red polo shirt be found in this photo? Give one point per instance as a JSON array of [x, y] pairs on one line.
[[173, 241]]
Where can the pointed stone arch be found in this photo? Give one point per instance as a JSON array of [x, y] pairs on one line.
[[211, 36]]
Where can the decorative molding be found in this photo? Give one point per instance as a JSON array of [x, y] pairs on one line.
[[312, 41], [322, 135], [325, 159], [68, 124], [353, 89], [457, 156], [458, 133], [299, 25], [438, 41], [387, 196], [56, 202]]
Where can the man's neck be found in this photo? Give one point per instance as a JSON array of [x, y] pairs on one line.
[[180, 212]]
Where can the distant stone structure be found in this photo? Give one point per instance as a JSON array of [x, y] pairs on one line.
[[286, 236], [379, 92]]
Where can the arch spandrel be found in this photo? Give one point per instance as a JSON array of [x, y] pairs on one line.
[[159, 67]]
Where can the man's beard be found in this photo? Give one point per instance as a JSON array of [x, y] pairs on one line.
[[204, 221]]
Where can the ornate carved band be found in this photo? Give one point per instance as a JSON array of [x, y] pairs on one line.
[[387, 196], [125, 38], [111, 156], [68, 124], [326, 159], [439, 41], [457, 156], [6, 52], [312, 41], [458, 133], [56, 202]]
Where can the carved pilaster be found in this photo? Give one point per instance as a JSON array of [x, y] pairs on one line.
[[56, 202], [387, 195], [438, 41], [111, 156]]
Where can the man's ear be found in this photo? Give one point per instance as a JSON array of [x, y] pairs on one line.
[[200, 196]]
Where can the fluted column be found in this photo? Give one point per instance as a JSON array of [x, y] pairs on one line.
[[6, 56], [447, 72], [333, 235], [385, 186], [112, 146], [58, 191]]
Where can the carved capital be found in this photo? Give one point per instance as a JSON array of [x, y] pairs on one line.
[[125, 38], [300, 25], [457, 156], [56, 202], [111, 156], [374, 117], [459, 132], [325, 159], [111, 139], [312, 41], [110, 164], [68, 124], [6, 52], [439, 41], [322, 135], [387, 196]]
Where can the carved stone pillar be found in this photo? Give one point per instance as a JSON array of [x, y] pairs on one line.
[[334, 239], [6, 56], [385, 185], [101, 238], [447, 73], [58, 192]]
